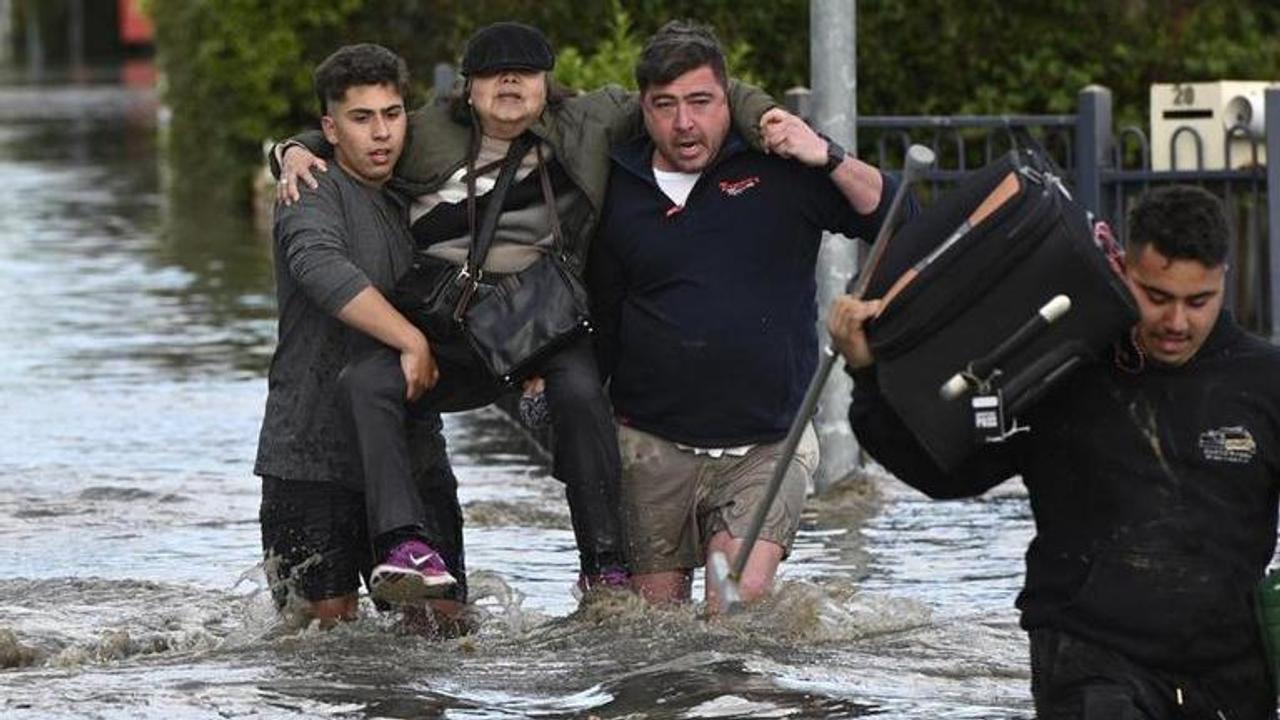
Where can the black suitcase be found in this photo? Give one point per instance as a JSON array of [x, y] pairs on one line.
[[966, 277]]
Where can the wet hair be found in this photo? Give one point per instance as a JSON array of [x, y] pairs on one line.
[[679, 47], [1182, 222], [356, 65]]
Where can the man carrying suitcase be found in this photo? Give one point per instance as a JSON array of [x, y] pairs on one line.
[[1153, 482]]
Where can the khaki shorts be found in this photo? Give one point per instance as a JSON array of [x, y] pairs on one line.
[[673, 501]]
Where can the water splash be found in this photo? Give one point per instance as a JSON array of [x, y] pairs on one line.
[[733, 706], [500, 605], [804, 612], [13, 653]]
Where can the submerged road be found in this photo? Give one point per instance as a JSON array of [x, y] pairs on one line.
[[136, 333]]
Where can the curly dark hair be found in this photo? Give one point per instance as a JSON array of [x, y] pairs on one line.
[[1182, 222], [678, 47], [353, 65]]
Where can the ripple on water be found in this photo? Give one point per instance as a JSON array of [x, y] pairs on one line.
[[498, 513], [39, 513], [127, 494]]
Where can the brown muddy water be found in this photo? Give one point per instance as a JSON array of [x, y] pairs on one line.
[[135, 336]]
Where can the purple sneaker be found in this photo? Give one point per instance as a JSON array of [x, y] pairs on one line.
[[409, 574], [612, 578]]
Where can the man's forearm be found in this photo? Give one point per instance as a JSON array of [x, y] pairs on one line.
[[791, 137], [312, 140], [860, 183], [370, 313]]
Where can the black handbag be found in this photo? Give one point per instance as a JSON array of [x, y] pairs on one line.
[[507, 322], [427, 295], [515, 320]]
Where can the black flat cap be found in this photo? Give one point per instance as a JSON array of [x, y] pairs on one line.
[[507, 46]]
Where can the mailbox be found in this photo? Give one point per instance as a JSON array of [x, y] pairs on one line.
[[1208, 126]]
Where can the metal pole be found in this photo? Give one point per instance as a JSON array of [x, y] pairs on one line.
[[35, 46], [834, 79], [442, 79], [1093, 146], [1272, 286], [75, 37]]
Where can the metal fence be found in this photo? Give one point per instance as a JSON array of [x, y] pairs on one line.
[[1107, 170]]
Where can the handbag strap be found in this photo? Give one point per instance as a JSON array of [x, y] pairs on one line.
[[482, 238], [549, 197]]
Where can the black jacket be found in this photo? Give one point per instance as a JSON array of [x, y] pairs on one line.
[[1154, 496]]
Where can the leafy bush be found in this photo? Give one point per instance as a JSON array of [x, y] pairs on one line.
[[238, 71], [613, 60]]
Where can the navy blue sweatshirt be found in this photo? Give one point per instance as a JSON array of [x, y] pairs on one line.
[[707, 312]]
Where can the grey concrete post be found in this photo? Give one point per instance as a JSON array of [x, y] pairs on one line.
[[833, 63], [1272, 108], [442, 78], [1093, 145], [75, 36], [35, 44]]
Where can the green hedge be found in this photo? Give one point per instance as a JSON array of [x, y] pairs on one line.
[[238, 71]]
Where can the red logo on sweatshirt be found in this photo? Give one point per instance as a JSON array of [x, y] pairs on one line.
[[733, 188]]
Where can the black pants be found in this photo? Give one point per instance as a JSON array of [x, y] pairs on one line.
[[316, 543], [585, 447], [1073, 679]]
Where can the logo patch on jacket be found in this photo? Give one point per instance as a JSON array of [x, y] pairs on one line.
[[734, 188], [1233, 444]]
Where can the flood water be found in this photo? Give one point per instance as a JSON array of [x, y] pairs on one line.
[[135, 338]]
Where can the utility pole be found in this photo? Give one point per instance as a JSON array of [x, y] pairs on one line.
[[35, 44], [75, 37], [442, 79], [834, 79]]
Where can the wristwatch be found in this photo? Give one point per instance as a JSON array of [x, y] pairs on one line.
[[835, 156]]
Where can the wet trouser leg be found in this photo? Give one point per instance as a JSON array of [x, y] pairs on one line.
[[437, 488], [586, 455], [1074, 679], [408, 485], [373, 388]]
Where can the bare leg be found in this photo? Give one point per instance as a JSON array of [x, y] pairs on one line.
[[757, 577], [332, 611], [661, 588]]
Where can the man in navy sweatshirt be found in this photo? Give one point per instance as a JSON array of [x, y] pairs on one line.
[[703, 282]]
